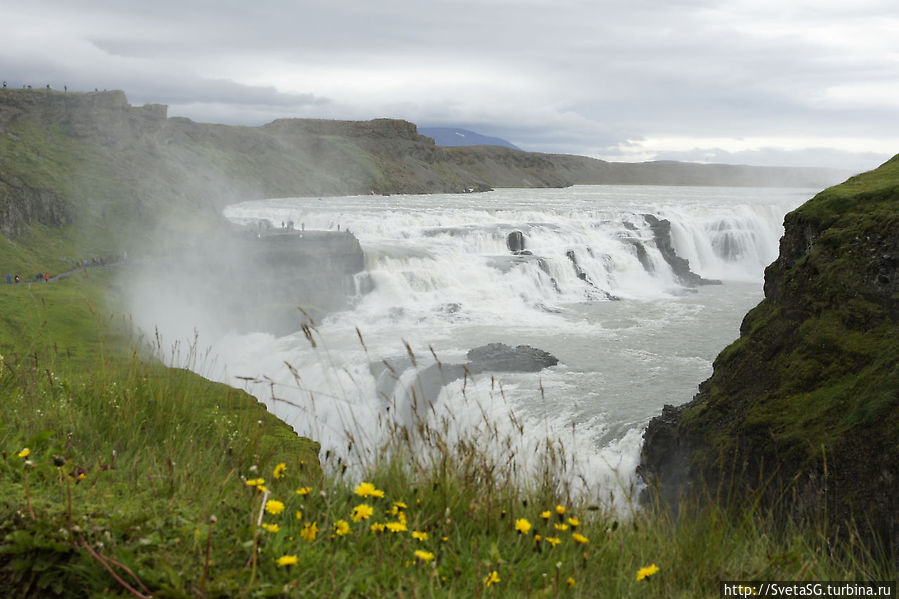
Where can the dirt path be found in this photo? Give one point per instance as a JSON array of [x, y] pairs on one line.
[[68, 273]]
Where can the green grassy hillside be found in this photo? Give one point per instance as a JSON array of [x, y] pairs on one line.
[[119, 477], [804, 407], [123, 452]]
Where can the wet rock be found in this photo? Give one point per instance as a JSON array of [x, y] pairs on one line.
[[661, 230], [499, 357], [642, 256], [515, 242], [577, 267], [411, 401]]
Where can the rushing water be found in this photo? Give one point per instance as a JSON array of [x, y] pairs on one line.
[[440, 278]]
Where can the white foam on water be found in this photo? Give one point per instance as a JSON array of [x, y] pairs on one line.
[[443, 279]]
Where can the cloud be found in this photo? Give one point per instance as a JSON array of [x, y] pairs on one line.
[[570, 75]]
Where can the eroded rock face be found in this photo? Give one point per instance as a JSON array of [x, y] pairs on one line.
[[22, 205], [246, 281], [802, 411], [661, 230]]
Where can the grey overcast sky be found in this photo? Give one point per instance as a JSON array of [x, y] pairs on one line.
[[770, 82]]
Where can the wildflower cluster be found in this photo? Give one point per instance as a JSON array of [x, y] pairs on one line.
[[552, 530], [369, 513], [294, 523]]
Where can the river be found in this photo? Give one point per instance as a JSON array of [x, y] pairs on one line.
[[595, 292]]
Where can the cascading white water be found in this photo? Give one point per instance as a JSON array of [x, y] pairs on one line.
[[595, 291]]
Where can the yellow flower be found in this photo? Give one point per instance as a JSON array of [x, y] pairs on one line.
[[537, 539], [553, 540], [423, 556], [492, 578], [368, 490], [421, 536], [363, 511], [378, 527], [274, 507], [560, 509], [561, 526], [574, 522], [401, 517], [24, 453], [398, 506], [545, 515], [255, 482], [647, 571], [341, 527], [570, 581], [299, 515], [522, 526], [579, 538], [396, 527], [309, 531], [271, 527], [287, 560], [279, 470], [82, 476], [303, 490]]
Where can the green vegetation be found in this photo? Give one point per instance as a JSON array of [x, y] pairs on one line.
[[143, 480], [122, 450], [121, 477], [853, 195], [804, 407]]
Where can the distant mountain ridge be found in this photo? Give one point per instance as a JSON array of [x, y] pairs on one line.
[[456, 137], [75, 158]]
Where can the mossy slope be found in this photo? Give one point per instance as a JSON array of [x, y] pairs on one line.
[[804, 406]]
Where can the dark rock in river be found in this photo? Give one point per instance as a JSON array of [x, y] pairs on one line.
[[642, 256], [430, 380], [499, 357], [577, 267], [515, 242]]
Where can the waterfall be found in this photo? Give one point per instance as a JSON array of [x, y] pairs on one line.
[[593, 284]]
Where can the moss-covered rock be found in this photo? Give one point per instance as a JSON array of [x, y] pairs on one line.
[[803, 409]]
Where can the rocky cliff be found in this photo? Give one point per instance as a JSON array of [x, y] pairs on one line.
[[84, 156], [81, 156], [246, 280], [802, 411]]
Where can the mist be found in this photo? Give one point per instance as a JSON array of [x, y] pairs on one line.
[[227, 279]]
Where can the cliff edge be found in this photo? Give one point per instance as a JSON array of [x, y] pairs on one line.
[[802, 411], [74, 157]]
